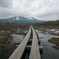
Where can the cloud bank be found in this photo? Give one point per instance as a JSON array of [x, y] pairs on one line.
[[40, 9]]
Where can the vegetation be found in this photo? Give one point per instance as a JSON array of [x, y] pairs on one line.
[[13, 26], [49, 24], [7, 23], [55, 41], [5, 40], [6, 29], [54, 34]]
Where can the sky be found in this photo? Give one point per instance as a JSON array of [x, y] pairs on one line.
[[40, 9]]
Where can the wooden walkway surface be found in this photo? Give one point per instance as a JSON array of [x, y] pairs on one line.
[[17, 54], [34, 53]]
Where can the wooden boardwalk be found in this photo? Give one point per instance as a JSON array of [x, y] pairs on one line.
[[34, 53], [17, 54]]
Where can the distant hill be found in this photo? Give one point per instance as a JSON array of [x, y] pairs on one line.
[[50, 23], [21, 20]]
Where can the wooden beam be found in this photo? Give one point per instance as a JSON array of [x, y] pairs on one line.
[[17, 54], [34, 54]]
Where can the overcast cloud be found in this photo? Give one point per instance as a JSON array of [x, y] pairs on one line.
[[40, 9]]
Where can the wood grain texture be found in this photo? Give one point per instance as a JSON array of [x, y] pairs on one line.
[[17, 54], [34, 54]]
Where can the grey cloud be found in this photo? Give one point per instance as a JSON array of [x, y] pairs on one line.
[[41, 9], [6, 3]]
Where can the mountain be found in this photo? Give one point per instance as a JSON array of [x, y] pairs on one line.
[[21, 20]]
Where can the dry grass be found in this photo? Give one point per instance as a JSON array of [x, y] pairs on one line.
[[5, 39], [14, 26], [12, 29], [16, 44], [4, 34], [56, 47], [54, 33], [22, 33], [42, 30], [2, 40], [46, 26], [14, 32], [55, 41]]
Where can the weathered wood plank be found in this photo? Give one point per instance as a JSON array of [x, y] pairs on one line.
[[17, 54], [34, 54]]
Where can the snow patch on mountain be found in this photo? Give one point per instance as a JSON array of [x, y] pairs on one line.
[[17, 18], [30, 18]]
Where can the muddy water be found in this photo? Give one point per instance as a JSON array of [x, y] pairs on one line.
[[8, 48], [16, 38], [48, 51]]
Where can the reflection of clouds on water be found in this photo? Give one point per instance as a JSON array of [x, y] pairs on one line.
[[17, 38], [56, 32], [48, 51], [53, 30], [3, 31]]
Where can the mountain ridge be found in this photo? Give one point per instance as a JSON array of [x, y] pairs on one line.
[[21, 20]]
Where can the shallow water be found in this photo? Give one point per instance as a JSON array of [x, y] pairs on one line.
[[17, 38], [48, 51], [56, 32], [53, 30], [9, 47]]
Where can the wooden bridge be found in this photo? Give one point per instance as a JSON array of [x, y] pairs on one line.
[[34, 52]]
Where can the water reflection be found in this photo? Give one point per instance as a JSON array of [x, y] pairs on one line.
[[48, 51], [17, 38], [8, 48]]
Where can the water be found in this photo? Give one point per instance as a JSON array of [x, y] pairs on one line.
[[16, 38], [9, 47], [48, 51]]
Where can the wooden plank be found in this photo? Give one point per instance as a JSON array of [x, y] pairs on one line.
[[34, 54], [17, 54]]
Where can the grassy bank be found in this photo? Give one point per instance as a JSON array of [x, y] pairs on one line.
[[46, 26], [54, 34], [13, 26], [55, 41], [12, 30], [6, 38]]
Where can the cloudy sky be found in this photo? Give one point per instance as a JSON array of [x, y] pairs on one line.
[[40, 9]]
